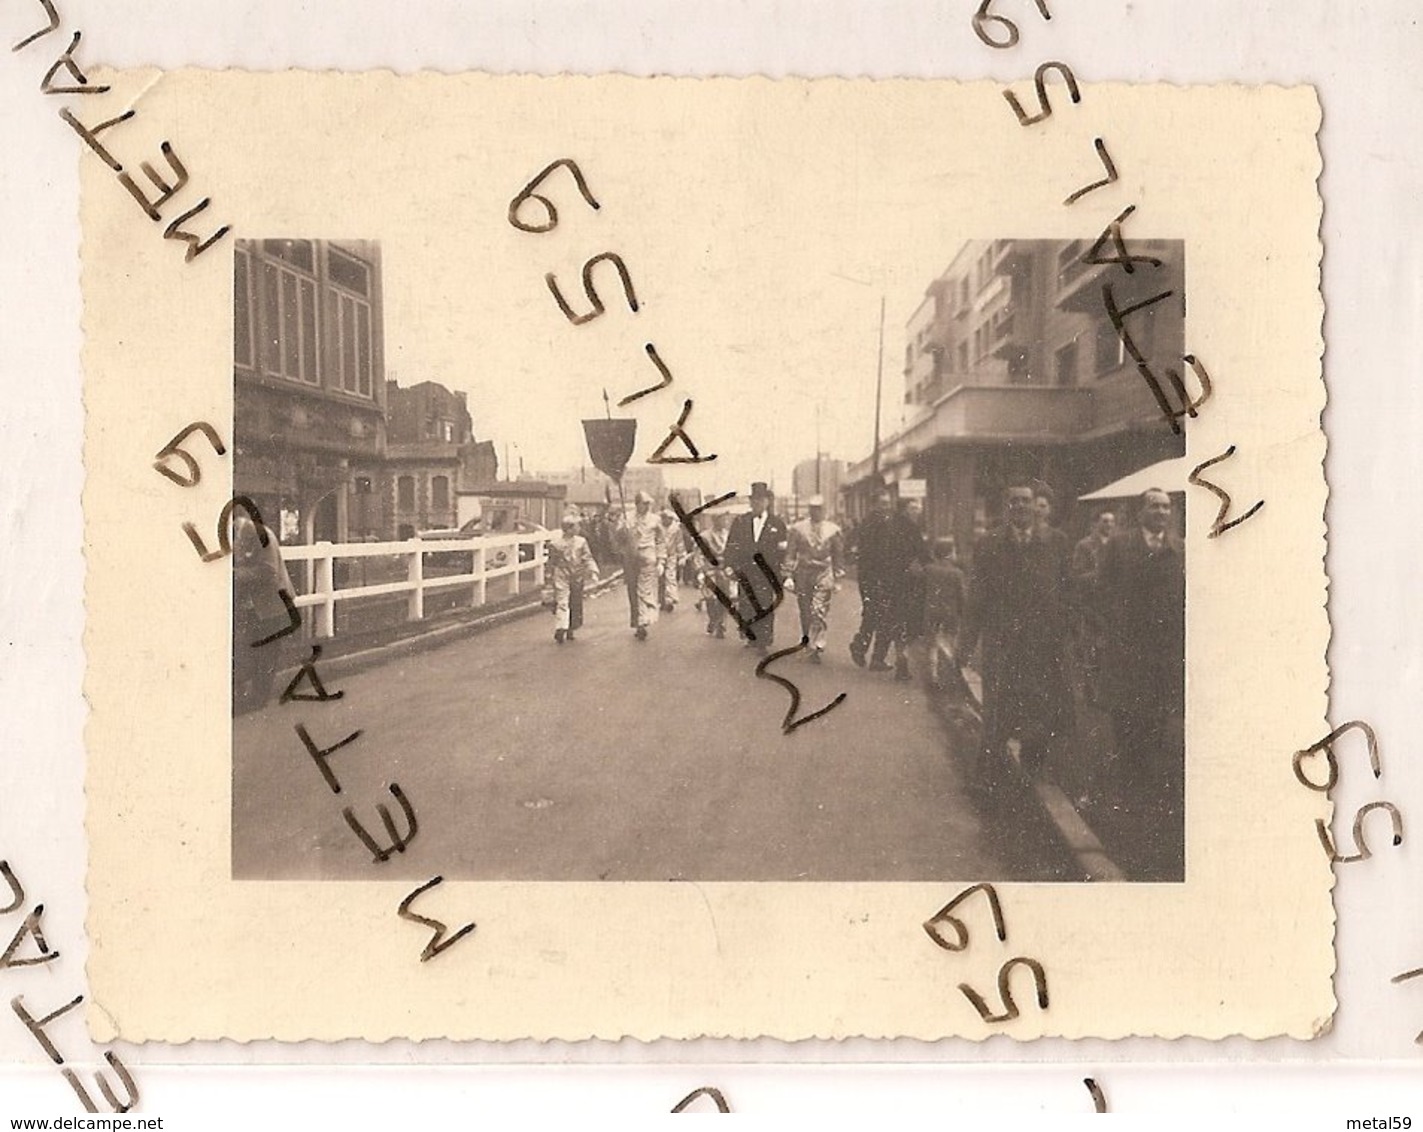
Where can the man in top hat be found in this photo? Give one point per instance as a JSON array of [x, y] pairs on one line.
[[756, 547], [643, 554], [817, 559]]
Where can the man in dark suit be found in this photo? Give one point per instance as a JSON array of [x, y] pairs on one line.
[[903, 580], [873, 551], [756, 550], [1141, 599], [1018, 608]]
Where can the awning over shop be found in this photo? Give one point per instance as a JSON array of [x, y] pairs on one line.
[[1168, 475]]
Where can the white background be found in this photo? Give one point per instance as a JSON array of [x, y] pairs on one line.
[[1361, 56]]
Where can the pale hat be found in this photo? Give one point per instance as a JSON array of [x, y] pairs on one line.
[[642, 497], [815, 501], [571, 517]]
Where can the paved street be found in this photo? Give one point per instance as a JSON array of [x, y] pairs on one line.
[[612, 759]]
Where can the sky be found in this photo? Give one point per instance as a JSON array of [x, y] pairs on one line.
[[759, 253], [761, 401]]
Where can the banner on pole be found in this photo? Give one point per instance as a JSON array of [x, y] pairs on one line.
[[610, 444]]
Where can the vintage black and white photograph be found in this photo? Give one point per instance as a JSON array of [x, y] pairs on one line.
[[966, 543], [652, 543]]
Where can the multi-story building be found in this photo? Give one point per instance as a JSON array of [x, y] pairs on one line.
[[308, 382], [1013, 371], [327, 448]]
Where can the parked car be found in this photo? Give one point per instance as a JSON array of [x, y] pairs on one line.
[[496, 559]]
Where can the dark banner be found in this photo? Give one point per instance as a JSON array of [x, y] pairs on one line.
[[610, 444]]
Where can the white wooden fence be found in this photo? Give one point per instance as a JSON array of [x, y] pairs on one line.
[[491, 556]]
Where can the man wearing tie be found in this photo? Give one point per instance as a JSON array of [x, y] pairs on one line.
[[1018, 607], [756, 551], [1141, 599]]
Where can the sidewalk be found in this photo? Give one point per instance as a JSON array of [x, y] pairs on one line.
[[342, 656], [1006, 789]]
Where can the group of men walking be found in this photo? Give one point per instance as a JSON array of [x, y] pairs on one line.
[[1107, 615], [747, 566], [765, 558], [750, 564], [891, 555], [1049, 623]]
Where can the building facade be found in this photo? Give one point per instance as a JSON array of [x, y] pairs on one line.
[[326, 447], [431, 457], [420, 484], [308, 382], [1013, 371], [427, 412]]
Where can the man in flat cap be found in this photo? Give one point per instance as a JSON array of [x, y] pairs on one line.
[[817, 559], [644, 552], [756, 549]]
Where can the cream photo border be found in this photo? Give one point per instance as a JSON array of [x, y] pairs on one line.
[[178, 950]]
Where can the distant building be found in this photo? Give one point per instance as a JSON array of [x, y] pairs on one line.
[[421, 481], [820, 476], [479, 463], [590, 497], [327, 448], [644, 477], [308, 370], [636, 477], [427, 411], [431, 456], [536, 501], [1012, 370]]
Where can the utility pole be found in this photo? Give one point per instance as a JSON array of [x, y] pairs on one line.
[[817, 449], [879, 385]]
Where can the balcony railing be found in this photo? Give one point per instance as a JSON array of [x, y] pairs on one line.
[[987, 412], [1069, 259], [996, 291], [404, 564], [1077, 279], [1000, 338], [1010, 256]]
